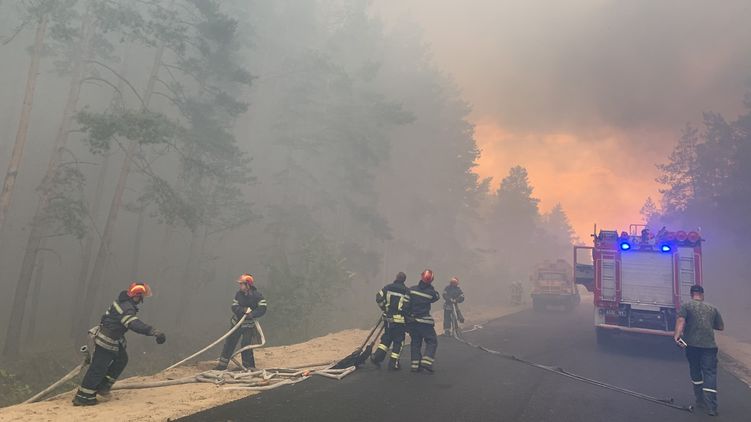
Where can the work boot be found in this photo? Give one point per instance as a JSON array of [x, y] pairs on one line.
[[446, 333], [375, 362], [104, 393], [712, 412], [394, 365], [428, 368], [80, 400], [220, 367]]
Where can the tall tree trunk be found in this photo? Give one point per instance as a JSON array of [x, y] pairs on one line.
[[97, 272], [23, 124], [134, 273], [37, 230], [187, 280], [36, 291], [83, 272]]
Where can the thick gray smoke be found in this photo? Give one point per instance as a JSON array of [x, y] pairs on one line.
[[578, 66]]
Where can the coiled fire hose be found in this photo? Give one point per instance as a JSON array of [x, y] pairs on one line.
[[560, 371]]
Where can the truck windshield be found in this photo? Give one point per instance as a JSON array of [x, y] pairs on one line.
[[584, 257]]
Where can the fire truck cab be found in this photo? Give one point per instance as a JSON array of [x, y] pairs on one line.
[[638, 279]]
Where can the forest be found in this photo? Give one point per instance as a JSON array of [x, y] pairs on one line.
[[181, 143]]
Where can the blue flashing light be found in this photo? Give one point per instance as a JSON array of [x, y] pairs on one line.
[[665, 248], [625, 246]]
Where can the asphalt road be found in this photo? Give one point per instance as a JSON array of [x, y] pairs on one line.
[[472, 385]]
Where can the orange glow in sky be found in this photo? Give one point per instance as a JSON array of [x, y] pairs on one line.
[[594, 179]]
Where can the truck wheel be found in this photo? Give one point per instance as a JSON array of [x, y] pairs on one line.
[[604, 338], [570, 304], [537, 305]]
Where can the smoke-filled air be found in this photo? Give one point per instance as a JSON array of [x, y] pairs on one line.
[[214, 165]]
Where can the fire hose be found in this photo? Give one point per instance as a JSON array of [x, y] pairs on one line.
[[227, 334], [260, 380], [86, 360], [560, 371]]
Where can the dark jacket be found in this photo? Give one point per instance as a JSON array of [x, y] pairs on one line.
[[393, 300], [420, 298], [253, 300], [452, 292], [119, 318]]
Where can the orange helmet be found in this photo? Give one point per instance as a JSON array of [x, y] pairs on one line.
[[427, 276], [246, 278], [139, 289], [454, 280]]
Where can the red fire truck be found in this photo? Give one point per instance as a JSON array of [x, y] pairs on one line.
[[638, 279]]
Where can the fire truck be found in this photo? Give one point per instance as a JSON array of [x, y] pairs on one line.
[[639, 279], [554, 286]]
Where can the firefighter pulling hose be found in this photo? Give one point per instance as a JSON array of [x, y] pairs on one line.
[[110, 356]]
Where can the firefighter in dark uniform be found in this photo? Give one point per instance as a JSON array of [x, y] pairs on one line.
[[421, 325], [452, 296], [393, 300], [248, 301], [110, 357]]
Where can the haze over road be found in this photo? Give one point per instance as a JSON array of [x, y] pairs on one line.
[[472, 385]]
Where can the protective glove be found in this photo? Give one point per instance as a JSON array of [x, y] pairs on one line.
[[248, 311], [461, 319], [160, 337]]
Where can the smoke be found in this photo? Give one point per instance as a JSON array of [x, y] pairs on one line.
[[580, 66], [588, 95]]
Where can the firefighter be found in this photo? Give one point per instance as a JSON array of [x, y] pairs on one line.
[[421, 326], [248, 301], [452, 297], [516, 293], [393, 300], [110, 357], [694, 331]]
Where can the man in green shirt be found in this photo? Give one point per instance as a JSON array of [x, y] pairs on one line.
[[694, 331]]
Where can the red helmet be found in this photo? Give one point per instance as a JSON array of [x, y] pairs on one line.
[[427, 276], [454, 281], [246, 278], [139, 289]]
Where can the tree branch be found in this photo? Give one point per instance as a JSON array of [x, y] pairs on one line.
[[113, 86], [16, 31], [122, 78], [172, 100]]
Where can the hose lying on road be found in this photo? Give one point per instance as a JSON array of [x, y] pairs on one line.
[[259, 380], [66, 378], [560, 371]]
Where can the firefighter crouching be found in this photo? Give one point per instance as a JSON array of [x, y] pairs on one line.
[[452, 296], [110, 357], [393, 300], [421, 325], [248, 301]]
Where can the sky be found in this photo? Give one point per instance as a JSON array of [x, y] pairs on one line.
[[588, 95]]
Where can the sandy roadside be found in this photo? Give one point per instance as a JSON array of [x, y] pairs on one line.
[[165, 403], [735, 357]]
